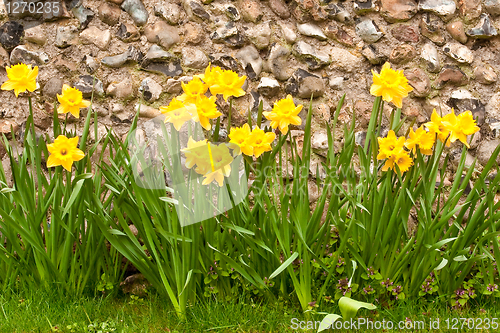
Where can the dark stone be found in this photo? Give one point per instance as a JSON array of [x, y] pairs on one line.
[[199, 11], [232, 13], [132, 55], [300, 80], [432, 28], [364, 6], [156, 54], [172, 68], [128, 33], [136, 10], [484, 29], [229, 34], [474, 105], [10, 35], [338, 13], [372, 54], [84, 16], [86, 85], [225, 62]]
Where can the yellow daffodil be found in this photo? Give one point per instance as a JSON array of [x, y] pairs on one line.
[[421, 138], [389, 145], [192, 90], [206, 109], [195, 152], [261, 141], [284, 113], [401, 158], [228, 84], [241, 137], [176, 113], [219, 163], [460, 126], [21, 78], [392, 85], [71, 101], [211, 76], [64, 152], [437, 125]]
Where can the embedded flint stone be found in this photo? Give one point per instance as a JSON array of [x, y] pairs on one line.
[[484, 29], [131, 55], [459, 52], [368, 31], [314, 58], [136, 10], [156, 54], [172, 68], [84, 16], [337, 12], [21, 55], [88, 84]]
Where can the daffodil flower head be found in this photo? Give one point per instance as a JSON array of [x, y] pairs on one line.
[[218, 164], [211, 75], [241, 138], [194, 151], [176, 113], [421, 138], [261, 141], [21, 78], [284, 113], [192, 90], [401, 158], [71, 101], [389, 145], [392, 85], [460, 126], [206, 109], [64, 152], [228, 83], [440, 126]]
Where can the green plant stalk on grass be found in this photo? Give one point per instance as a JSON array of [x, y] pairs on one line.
[[46, 239]]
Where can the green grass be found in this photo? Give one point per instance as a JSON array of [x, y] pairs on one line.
[[42, 312]]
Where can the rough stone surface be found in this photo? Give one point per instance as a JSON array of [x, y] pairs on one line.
[[398, 10], [485, 74], [280, 8], [484, 29], [313, 57], [150, 89], [94, 35], [109, 13], [194, 58], [430, 58], [444, 8], [162, 33], [65, 36], [459, 52], [432, 28], [452, 75], [486, 149], [402, 54], [456, 30], [405, 33], [420, 82], [368, 31]]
